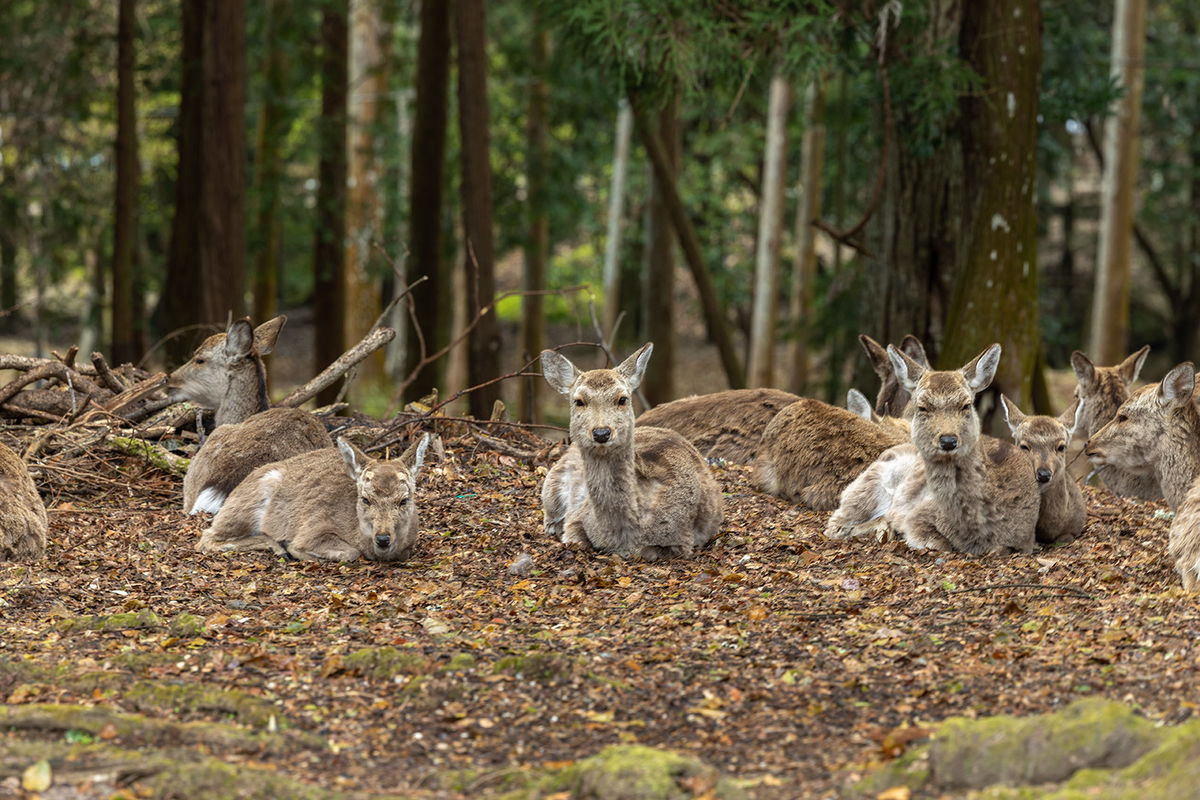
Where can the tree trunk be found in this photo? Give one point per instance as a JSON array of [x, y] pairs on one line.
[[616, 204], [483, 343], [537, 246], [433, 299], [1110, 304], [804, 267], [659, 384], [328, 299], [124, 233], [761, 371], [9, 225], [714, 314], [995, 297]]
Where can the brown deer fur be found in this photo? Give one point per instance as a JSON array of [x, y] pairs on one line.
[[1102, 390], [726, 425], [892, 400], [22, 515], [948, 490], [644, 493], [227, 374], [1044, 441], [811, 451], [326, 505]]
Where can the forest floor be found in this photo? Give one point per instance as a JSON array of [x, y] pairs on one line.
[[786, 661]]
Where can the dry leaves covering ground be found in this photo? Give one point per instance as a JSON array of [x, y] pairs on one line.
[[784, 660]]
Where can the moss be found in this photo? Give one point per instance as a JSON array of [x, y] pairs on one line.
[[186, 626], [459, 663], [197, 698], [639, 773], [536, 666], [113, 622], [384, 662]]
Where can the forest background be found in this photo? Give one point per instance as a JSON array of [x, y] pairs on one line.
[[768, 178]]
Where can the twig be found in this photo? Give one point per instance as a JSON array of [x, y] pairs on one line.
[[1077, 592], [374, 340], [106, 374]]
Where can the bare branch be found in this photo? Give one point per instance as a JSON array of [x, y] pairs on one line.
[[106, 375], [375, 339]]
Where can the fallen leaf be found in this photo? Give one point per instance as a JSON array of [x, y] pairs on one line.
[[37, 777]]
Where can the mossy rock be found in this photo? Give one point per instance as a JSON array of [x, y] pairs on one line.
[[624, 772], [191, 698], [536, 666], [186, 626], [132, 620], [459, 663], [382, 663]]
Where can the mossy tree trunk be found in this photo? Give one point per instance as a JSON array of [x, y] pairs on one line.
[[537, 244], [659, 383], [124, 340]]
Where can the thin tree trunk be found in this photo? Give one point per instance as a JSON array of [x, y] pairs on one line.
[[9, 225], [328, 251], [1110, 304], [713, 312], [770, 236], [804, 267], [483, 361], [433, 299], [537, 247], [659, 384], [124, 231], [616, 203]]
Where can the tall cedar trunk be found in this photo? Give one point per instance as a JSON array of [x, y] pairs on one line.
[[483, 342], [273, 124], [181, 308], [9, 225], [124, 342], [328, 299], [369, 52], [761, 370], [995, 297], [433, 299], [804, 266], [537, 246], [659, 383], [616, 207], [1110, 305]]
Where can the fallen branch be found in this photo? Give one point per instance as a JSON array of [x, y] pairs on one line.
[[374, 340], [135, 394], [106, 375], [151, 453]]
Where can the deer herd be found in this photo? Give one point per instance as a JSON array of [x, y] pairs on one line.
[[915, 466]]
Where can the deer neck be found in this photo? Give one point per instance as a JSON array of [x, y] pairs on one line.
[[612, 487], [1179, 463], [245, 394]]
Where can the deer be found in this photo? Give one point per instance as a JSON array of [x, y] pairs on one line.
[[723, 425], [1044, 440], [636, 492], [23, 523], [811, 451], [892, 400], [1101, 391], [949, 488], [227, 374], [336, 504]]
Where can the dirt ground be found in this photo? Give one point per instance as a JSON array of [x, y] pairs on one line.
[[787, 661]]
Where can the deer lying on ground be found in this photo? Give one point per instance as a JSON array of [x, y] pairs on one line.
[[892, 400], [726, 425], [645, 493], [811, 451], [325, 505], [1157, 432], [1062, 513], [227, 374], [22, 515], [947, 490], [1101, 392]]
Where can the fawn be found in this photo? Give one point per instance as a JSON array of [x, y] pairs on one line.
[[811, 451], [22, 515], [325, 505], [1044, 441], [948, 489], [1157, 432], [1101, 391], [226, 373], [645, 493], [726, 424]]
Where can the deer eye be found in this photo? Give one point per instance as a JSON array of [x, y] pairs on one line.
[[578, 403], [1025, 447], [923, 409], [404, 502], [199, 361], [1062, 448], [1122, 418], [966, 407], [366, 501], [622, 401]]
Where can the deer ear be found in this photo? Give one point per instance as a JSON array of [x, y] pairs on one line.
[[414, 457], [915, 350], [1177, 387], [239, 339], [981, 369], [558, 371], [877, 355], [1085, 370], [267, 334], [355, 459], [1130, 367], [633, 368], [857, 403], [1012, 414], [1070, 417], [908, 372]]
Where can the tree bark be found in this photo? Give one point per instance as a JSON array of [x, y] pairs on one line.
[[804, 267], [9, 225], [483, 343], [328, 299], [659, 383], [432, 300], [124, 341], [537, 245], [1110, 304], [616, 203], [761, 371]]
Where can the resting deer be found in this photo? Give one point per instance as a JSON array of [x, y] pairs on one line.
[[948, 489], [326, 505], [227, 374], [22, 515], [1101, 392], [1044, 441], [892, 400], [644, 493], [726, 425], [1157, 432], [811, 451]]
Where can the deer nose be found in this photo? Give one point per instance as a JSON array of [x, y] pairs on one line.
[[382, 541], [947, 443], [601, 435], [1044, 475]]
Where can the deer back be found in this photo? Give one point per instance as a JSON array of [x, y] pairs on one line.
[[22, 516], [726, 424]]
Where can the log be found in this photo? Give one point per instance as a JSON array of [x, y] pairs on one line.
[[151, 453]]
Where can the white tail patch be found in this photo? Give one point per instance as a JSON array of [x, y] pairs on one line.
[[209, 500]]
